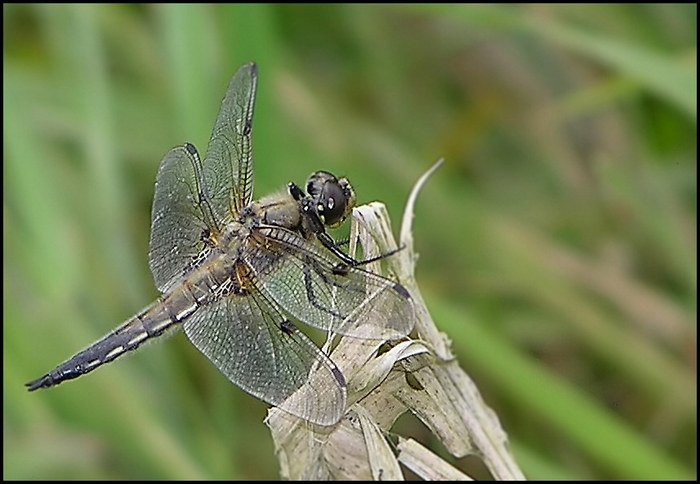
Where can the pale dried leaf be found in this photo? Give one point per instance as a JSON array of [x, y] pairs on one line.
[[382, 461], [426, 464], [375, 370]]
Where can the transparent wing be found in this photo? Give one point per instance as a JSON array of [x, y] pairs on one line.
[[228, 165], [193, 199], [308, 282], [177, 218], [263, 353]]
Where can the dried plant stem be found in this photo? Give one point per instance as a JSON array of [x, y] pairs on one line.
[[419, 375]]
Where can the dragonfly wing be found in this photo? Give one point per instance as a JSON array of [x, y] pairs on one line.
[[194, 199], [311, 284], [263, 353], [228, 165], [178, 222]]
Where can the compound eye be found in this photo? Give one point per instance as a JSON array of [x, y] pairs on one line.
[[334, 198], [317, 182], [332, 204]]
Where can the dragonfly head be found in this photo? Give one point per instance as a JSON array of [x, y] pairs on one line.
[[334, 198]]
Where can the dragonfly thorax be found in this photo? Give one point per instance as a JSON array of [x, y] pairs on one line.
[[280, 209]]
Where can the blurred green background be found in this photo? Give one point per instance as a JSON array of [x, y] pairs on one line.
[[557, 244]]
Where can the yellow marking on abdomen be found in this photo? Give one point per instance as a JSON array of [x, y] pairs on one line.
[[185, 312], [160, 325], [114, 352], [138, 338], [92, 363]]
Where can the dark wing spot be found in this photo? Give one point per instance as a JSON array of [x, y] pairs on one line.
[[339, 376], [341, 269], [288, 327], [402, 291]]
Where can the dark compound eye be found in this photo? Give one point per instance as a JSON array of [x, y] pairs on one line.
[[333, 198], [314, 186], [333, 202]]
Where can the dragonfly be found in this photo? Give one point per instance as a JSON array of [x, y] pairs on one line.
[[238, 275]]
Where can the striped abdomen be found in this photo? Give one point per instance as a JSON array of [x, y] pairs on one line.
[[166, 313]]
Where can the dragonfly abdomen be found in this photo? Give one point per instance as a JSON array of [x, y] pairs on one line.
[[162, 315], [153, 321]]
